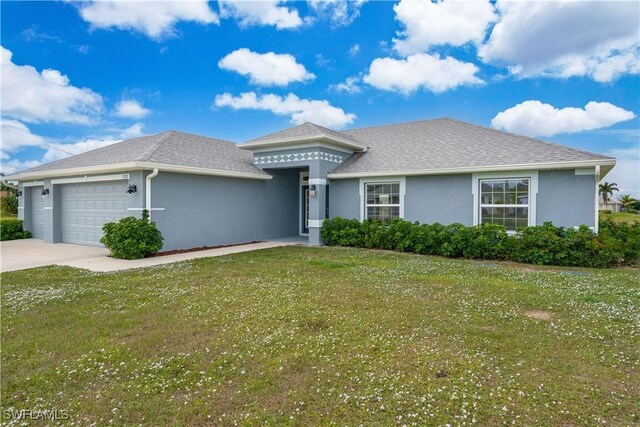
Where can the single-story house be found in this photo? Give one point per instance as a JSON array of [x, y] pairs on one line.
[[205, 191]]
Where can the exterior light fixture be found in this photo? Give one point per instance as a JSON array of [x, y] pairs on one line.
[[312, 191], [45, 192], [18, 193], [132, 189]]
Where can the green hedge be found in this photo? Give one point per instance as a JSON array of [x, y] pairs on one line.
[[616, 243], [11, 229], [131, 237]]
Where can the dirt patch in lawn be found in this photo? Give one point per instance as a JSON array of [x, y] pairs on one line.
[[538, 314]]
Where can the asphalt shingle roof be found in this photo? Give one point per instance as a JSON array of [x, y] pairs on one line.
[[447, 143], [414, 146], [167, 148], [304, 130]]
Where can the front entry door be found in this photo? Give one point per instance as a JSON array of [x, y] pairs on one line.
[[304, 219]]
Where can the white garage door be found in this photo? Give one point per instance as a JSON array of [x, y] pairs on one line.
[[86, 207], [37, 213]]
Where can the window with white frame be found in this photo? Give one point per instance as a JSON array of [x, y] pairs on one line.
[[505, 201], [382, 200]]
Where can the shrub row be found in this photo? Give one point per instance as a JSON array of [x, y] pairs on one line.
[[11, 229], [616, 243]]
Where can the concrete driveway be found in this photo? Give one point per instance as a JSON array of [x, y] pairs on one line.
[[29, 253]]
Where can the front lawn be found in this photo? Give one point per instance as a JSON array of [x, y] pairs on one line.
[[620, 217], [329, 336]]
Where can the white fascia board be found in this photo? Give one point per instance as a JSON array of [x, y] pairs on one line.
[[472, 169], [95, 178], [203, 171], [114, 167], [303, 145], [130, 166], [332, 140], [33, 184]]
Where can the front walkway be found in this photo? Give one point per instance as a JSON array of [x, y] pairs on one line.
[[29, 253]]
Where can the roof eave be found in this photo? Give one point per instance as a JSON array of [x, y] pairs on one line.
[[606, 165], [345, 143], [129, 166]]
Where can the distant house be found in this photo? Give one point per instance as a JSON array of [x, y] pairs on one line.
[[611, 205], [205, 191]]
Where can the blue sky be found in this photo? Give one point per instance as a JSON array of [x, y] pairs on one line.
[[77, 76]]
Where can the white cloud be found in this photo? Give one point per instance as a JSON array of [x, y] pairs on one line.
[[534, 118], [44, 97], [133, 131], [350, 85], [264, 12], [444, 22], [566, 38], [14, 165], [130, 108], [339, 12], [14, 135], [421, 71], [58, 151], [354, 50], [267, 69], [155, 19], [300, 110], [626, 172]]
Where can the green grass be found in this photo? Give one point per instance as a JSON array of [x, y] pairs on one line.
[[7, 215], [324, 336], [620, 217]]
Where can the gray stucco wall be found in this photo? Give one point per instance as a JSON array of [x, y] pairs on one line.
[[344, 198], [566, 199], [205, 210], [445, 199]]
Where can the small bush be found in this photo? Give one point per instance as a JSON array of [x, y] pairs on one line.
[[342, 232], [131, 237], [617, 243], [11, 229], [9, 203], [623, 238], [606, 211]]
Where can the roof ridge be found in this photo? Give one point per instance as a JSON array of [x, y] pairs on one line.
[[161, 141], [530, 138], [205, 137], [397, 124]]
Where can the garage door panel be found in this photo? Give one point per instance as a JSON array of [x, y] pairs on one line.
[[37, 213], [87, 207]]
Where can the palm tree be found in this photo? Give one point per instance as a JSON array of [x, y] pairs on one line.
[[606, 190], [626, 200]]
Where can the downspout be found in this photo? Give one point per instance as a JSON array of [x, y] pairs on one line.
[[8, 184], [597, 200], [148, 190]]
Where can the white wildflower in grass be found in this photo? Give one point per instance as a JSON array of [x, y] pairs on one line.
[[324, 336]]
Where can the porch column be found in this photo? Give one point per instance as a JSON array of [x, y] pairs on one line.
[[317, 205]]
